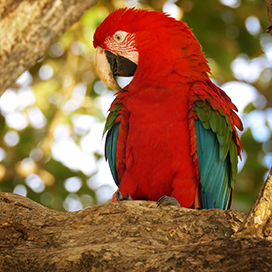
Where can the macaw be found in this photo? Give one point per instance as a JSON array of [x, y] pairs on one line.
[[171, 132]]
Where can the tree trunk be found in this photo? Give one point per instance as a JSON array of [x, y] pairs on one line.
[[28, 28], [127, 236], [135, 236]]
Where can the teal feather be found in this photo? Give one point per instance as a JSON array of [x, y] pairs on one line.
[[110, 150], [217, 159], [112, 130]]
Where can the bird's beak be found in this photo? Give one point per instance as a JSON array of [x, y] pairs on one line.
[[109, 66]]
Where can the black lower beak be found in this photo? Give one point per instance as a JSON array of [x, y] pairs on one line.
[[120, 66]]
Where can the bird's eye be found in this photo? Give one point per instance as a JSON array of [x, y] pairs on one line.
[[119, 36]]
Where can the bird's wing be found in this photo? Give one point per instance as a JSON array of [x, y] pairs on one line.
[[116, 120], [215, 144], [110, 150]]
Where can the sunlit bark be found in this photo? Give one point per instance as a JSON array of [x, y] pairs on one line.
[[28, 28], [127, 236], [269, 13]]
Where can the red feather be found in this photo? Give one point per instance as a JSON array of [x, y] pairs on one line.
[[156, 148]]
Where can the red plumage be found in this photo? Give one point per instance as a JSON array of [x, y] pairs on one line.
[[156, 151], [155, 148]]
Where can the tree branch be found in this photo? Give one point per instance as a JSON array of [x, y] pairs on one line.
[[134, 235], [28, 28], [259, 220], [269, 13], [128, 236]]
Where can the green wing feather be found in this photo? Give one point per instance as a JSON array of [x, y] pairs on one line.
[[112, 130], [217, 155]]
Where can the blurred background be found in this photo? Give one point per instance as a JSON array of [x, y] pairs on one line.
[[52, 119]]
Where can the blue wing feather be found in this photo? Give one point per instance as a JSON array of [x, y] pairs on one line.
[[214, 172], [110, 150]]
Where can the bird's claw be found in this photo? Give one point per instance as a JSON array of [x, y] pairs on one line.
[[120, 197], [167, 200]]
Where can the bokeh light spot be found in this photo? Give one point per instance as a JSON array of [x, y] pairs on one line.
[[231, 3], [46, 72], [17, 120], [72, 203], [11, 138], [73, 184], [57, 50], [35, 183], [253, 25], [20, 190], [36, 117], [47, 199], [2, 154], [24, 79]]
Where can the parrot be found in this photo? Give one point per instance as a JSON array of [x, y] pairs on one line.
[[171, 133]]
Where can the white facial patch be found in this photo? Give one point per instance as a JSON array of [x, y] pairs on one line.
[[122, 44]]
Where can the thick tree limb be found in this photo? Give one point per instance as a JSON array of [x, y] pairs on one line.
[[259, 220], [130, 236], [269, 13], [28, 28]]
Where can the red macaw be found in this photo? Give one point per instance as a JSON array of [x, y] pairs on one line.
[[171, 133]]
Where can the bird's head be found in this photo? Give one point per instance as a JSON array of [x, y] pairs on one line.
[[149, 45]]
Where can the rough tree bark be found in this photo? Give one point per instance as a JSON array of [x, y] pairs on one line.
[[269, 13], [128, 236], [259, 220], [134, 236], [28, 28]]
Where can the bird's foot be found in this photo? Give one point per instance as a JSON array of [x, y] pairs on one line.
[[120, 197], [167, 200]]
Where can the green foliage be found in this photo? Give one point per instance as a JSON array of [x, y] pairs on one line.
[[63, 87]]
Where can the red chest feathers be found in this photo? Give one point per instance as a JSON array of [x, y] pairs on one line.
[[157, 148]]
